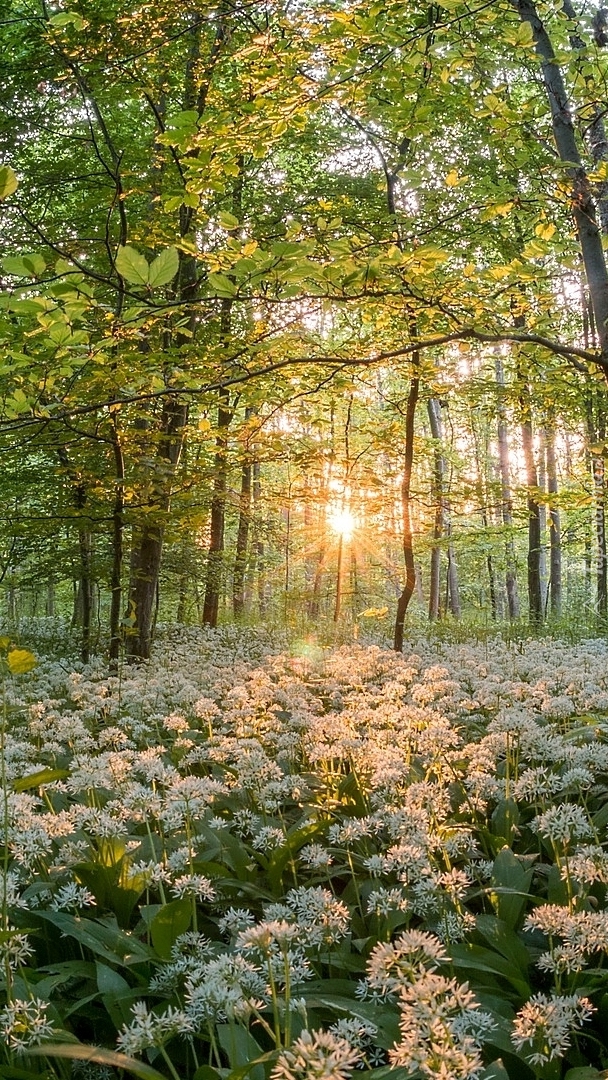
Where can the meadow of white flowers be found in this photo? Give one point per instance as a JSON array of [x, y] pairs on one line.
[[234, 862]]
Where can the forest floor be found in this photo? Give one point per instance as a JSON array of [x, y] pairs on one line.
[[231, 861]]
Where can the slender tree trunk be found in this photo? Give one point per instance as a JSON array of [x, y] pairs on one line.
[[535, 597], [215, 558], [542, 513], [600, 534], [482, 498], [406, 512], [452, 580], [259, 546], [50, 598], [596, 428], [555, 540], [117, 551], [242, 541], [506, 498], [434, 413]]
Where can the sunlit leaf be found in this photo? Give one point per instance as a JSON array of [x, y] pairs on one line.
[[164, 268], [8, 182], [132, 265], [20, 661]]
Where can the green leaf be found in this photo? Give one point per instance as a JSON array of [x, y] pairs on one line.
[[504, 940], [172, 920], [228, 221], [79, 1052], [505, 819], [103, 939], [8, 182], [495, 1071], [206, 1072], [222, 286], [35, 780], [131, 265], [240, 1048], [68, 18], [164, 268], [24, 265], [109, 981], [475, 958], [512, 883]]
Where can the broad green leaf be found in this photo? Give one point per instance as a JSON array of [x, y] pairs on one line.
[[222, 286], [24, 265], [131, 265], [228, 221], [103, 939], [504, 940], [35, 780], [495, 1071], [8, 182], [511, 883], [20, 661], [96, 1054], [505, 819], [172, 920], [35, 264], [475, 958], [206, 1072], [109, 981], [240, 1048], [68, 18], [164, 268]]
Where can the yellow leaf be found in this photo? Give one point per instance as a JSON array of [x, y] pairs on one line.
[[373, 613], [502, 209], [498, 272], [4, 643], [20, 661], [452, 178], [445, 75], [545, 230]]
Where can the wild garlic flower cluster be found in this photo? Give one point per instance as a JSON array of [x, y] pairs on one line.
[[543, 1027], [346, 818]]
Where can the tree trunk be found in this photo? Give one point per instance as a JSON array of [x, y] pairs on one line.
[[535, 597], [242, 540], [482, 498], [215, 557], [117, 552], [146, 561], [146, 558], [555, 540], [259, 546], [542, 513], [582, 199], [434, 413], [406, 511], [506, 500]]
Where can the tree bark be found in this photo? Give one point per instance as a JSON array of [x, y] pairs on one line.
[[259, 545], [406, 512], [117, 551], [242, 538], [434, 413], [506, 502], [535, 598], [555, 540], [583, 204]]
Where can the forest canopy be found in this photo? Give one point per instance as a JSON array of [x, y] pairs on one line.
[[304, 312]]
